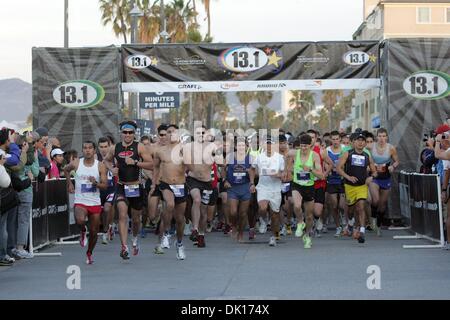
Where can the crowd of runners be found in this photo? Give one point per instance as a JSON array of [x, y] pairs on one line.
[[241, 185]]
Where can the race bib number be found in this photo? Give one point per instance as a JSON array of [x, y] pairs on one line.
[[268, 172], [358, 161], [303, 176], [206, 195], [178, 190], [239, 176], [132, 191], [88, 188], [285, 187]]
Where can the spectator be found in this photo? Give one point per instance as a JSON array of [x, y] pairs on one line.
[[57, 160], [427, 157], [44, 163], [8, 202], [29, 171], [443, 133]]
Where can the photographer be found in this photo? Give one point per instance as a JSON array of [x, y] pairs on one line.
[[427, 157]]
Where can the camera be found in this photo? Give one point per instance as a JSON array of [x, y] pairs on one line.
[[430, 135]]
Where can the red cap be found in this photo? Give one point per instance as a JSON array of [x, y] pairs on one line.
[[442, 128]]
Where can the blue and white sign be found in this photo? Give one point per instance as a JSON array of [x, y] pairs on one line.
[[159, 100], [376, 122], [144, 127]]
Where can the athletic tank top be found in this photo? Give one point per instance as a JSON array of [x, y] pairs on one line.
[[127, 173], [356, 166], [382, 161], [334, 178], [301, 177], [237, 172], [319, 183], [85, 192]]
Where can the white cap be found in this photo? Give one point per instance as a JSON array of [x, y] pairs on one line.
[[56, 152]]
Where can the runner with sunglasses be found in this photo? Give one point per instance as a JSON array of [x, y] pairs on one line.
[[129, 157]]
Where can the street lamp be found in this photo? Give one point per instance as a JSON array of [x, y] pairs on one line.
[[134, 13]]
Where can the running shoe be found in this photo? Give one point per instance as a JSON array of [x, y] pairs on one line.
[[338, 232], [194, 236], [158, 249], [209, 227], [89, 258], [317, 233], [283, 230], [165, 241], [187, 228], [361, 238], [135, 246], [201, 241], [262, 226], [272, 241], [181, 255], [105, 238], [6, 263], [288, 229], [324, 228], [124, 253], [23, 254], [446, 246], [251, 234], [227, 229], [83, 239], [319, 224], [356, 234], [219, 226], [307, 242], [300, 228]]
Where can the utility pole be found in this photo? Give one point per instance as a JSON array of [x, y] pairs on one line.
[[66, 23], [134, 13]]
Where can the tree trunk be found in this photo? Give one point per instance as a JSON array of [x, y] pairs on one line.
[[246, 116]]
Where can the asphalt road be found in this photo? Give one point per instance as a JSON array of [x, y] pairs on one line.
[[332, 269]]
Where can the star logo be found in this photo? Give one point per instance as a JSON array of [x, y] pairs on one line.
[[373, 58], [273, 59], [154, 61]]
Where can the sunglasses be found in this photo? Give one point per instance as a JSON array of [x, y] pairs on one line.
[[162, 134], [128, 132], [202, 133]]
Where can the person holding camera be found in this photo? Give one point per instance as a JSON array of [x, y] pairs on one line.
[[29, 171]]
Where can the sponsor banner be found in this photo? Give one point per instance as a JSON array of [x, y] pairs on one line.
[[221, 86], [76, 93], [159, 100], [250, 62]]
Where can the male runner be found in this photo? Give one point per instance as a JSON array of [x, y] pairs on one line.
[[269, 166], [353, 167], [90, 176], [169, 173], [305, 164], [129, 157], [286, 193]]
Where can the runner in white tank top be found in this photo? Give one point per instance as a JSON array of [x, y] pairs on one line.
[[90, 177]]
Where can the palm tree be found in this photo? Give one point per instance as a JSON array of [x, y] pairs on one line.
[[116, 12], [245, 97], [181, 20], [149, 23], [302, 102], [330, 98], [264, 97], [206, 4]]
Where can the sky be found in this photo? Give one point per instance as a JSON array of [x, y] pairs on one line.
[[39, 23]]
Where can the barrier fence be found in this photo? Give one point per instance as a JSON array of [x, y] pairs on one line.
[[421, 208], [52, 215]]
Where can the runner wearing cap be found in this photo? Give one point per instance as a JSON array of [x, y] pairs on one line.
[[269, 165], [353, 167], [90, 176], [305, 165], [126, 160], [386, 161]]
